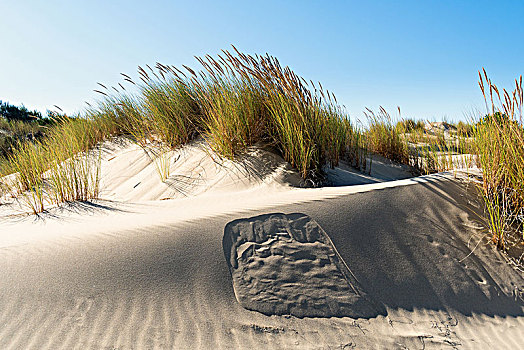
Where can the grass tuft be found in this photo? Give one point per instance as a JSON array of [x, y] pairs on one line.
[[499, 140]]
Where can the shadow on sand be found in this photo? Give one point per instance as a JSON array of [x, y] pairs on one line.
[[411, 247], [65, 210], [421, 246]]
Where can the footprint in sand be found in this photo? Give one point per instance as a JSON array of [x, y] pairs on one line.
[[287, 265], [80, 310]]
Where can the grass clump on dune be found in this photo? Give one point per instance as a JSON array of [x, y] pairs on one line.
[[234, 113], [424, 147], [304, 122], [62, 167], [307, 126], [12, 132], [385, 138], [73, 173], [234, 102], [499, 142], [171, 112], [28, 164]]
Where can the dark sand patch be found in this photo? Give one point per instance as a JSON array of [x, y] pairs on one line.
[[287, 265]]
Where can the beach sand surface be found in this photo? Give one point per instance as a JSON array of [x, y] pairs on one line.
[[132, 271]]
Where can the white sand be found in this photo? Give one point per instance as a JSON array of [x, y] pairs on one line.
[[134, 272]]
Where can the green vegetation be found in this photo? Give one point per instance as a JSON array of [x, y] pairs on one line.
[[464, 129], [12, 132], [499, 142], [18, 124], [385, 138], [409, 126], [236, 101], [438, 148], [61, 167], [11, 113]]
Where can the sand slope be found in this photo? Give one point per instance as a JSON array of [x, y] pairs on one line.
[[153, 275], [134, 173]]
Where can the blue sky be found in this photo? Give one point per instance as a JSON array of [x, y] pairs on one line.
[[420, 55]]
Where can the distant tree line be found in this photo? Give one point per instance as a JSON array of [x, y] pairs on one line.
[[18, 124], [12, 113]]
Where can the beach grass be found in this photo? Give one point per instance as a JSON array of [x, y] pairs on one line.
[[499, 142], [62, 167], [426, 149], [385, 138], [235, 101]]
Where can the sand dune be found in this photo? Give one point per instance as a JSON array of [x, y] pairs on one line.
[[153, 274], [133, 173]]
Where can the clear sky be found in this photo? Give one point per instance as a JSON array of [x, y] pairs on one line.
[[420, 55]]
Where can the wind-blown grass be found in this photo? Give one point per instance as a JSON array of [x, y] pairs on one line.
[[60, 168], [234, 114], [304, 122], [234, 102], [28, 164], [408, 142], [385, 138], [170, 109], [499, 142], [14, 131]]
